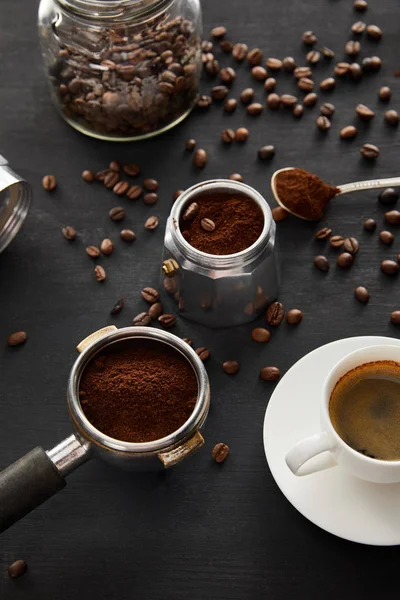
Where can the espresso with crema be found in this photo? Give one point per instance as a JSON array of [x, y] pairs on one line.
[[364, 409]]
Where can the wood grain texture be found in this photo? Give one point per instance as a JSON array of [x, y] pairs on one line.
[[203, 530]]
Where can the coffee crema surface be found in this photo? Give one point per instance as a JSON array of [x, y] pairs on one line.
[[365, 409]]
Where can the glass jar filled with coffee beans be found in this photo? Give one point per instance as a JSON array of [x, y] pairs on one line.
[[122, 69]]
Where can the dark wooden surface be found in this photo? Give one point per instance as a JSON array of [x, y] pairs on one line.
[[203, 530]]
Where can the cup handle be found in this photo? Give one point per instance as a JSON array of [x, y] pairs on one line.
[[309, 448]]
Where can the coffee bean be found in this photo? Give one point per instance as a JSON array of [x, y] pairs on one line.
[[327, 84], [150, 184], [219, 92], [151, 223], [150, 198], [298, 111], [266, 152], [239, 51], [212, 68], [17, 338], [121, 188], [279, 214], [321, 262], [369, 225], [230, 105], [200, 158], [231, 367], [117, 213], [305, 84], [301, 72], [289, 64], [389, 267], [270, 373], [310, 99], [156, 310], [203, 101], [313, 57], [345, 260], [395, 317], [127, 235], [188, 341], [375, 63], [93, 251], [134, 192], [49, 183], [336, 241], [356, 71], [17, 568], [294, 316], [364, 112], [177, 193], [393, 217], [69, 233], [327, 109], [341, 69], [203, 353], [369, 151], [247, 95], [275, 313], [259, 73], [360, 5], [351, 245], [323, 233], [100, 273], [352, 48], [348, 132], [255, 109], [191, 212], [392, 118], [131, 169], [385, 93], [150, 295], [111, 179], [273, 101], [309, 38], [88, 176], [101, 175], [327, 53], [269, 84], [236, 177], [207, 224], [115, 165], [142, 320], [227, 75], [386, 237], [388, 196], [241, 134], [190, 145], [361, 293], [260, 335], [374, 32], [220, 452], [288, 100], [323, 123], [254, 57], [274, 64], [118, 306], [358, 27], [218, 32], [106, 246]]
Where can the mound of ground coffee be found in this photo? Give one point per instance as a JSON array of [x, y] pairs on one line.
[[238, 222], [138, 391]]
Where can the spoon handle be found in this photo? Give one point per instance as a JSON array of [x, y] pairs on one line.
[[372, 184]]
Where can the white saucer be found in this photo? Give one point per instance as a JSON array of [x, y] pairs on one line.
[[344, 505]]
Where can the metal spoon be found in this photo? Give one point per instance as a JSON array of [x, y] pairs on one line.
[[346, 188]]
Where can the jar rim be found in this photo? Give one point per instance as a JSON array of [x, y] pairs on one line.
[[113, 9]]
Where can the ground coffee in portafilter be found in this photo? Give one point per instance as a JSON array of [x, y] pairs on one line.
[[222, 223], [365, 409], [138, 390]]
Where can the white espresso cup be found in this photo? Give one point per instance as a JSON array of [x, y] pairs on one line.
[[333, 450]]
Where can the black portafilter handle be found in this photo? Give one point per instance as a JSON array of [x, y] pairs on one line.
[[26, 484]]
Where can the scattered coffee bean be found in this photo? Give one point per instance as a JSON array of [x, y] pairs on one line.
[[207, 224], [255, 109], [294, 316], [156, 310], [345, 260], [227, 75], [17, 568], [279, 214], [150, 295], [342, 69], [101, 175], [385, 93], [188, 341], [389, 267], [273, 101], [151, 223], [327, 84], [176, 194], [111, 179], [351, 245], [88, 176], [203, 353], [69, 233], [388, 196], [348, 132], [288, 100], [150, 185], [360, 5], [386, 237], [115, 165], [127, 235], [392, 118], [327, 53], [260, 335], [211, 67], [361, 293], [369, 151], [118, 306], [364, 112], [270, 84], [374, 32], [106, 246], [17, 338], [203, 101], [309, 38], [254, 57], [239, 51], [93, 251], [356, 71], [393, 217], [230, 105], [327, 109], [121, 188], [190, 144], [259, 73], [298, 111], [358, 27], [323, 234], [131, 169], [352, 48], [218, 32], [150, 198], [321, 262], [375, 63], [219, 92], [236, 177], [191, 212], [134, 192], [270, 373], [275, 313], [266, 152], [200, 158], [247, 95], [100, 273], [305, 84], [49, 183], [231, 367], [117, 213], [289, 64], [310, 99], [313, 57], [336, 241], [323, 123], [395, 317], [220, 452], [142, 320], [241, 134], [274, 64], [369, 225], [301, 72], [167, 320]]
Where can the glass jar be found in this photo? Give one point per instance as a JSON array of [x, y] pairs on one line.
[[122, 69]]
